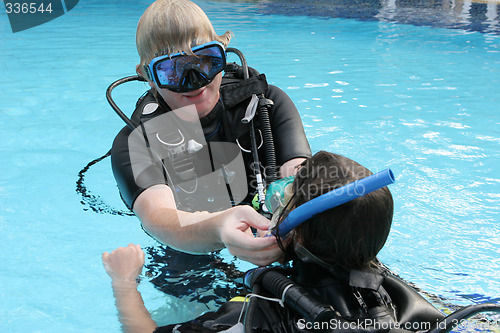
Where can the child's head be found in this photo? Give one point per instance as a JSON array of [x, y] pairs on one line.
[[349, 235], [169, 26]]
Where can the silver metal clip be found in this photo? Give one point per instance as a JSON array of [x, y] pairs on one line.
[[251, 109], [360, 300]]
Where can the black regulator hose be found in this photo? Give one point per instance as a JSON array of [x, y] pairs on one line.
[[267, 135], [244, 63], [265, 123], [94, 202], [297, 298], [293, 295], [112, 102], [250, 314]]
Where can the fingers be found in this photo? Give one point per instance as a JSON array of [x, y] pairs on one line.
[[250, 216], [124, 264], [259, 251], [122, 253], [130, 247], [252, 243], [240, 241], [240, 237], [105, 259], [260, 258]]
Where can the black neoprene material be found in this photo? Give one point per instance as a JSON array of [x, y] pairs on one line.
[[289, 137]]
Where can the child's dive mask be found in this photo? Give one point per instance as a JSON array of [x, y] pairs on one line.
[[279, 193]]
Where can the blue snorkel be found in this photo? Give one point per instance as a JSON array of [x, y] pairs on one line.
[[334, 198]]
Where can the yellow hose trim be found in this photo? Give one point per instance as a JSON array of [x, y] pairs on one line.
[[238, 299]]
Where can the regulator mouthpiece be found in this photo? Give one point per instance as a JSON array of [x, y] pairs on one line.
[[333, 199]]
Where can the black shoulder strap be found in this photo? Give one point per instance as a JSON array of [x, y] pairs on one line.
[[237, 91]]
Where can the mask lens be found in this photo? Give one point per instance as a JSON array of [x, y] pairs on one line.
[[209, 59], [166, 72], [278, 193]]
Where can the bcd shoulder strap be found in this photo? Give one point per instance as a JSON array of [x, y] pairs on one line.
[[235, 89]]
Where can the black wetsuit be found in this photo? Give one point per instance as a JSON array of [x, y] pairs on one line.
[[223, 124]]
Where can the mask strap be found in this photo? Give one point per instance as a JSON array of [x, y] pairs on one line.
[[308, 257]]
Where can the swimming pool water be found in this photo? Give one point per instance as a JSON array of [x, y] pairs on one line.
[[420, 99]]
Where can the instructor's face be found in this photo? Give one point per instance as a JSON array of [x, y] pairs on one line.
[[204, 98]]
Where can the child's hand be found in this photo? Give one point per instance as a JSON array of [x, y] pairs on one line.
[[124, 264]]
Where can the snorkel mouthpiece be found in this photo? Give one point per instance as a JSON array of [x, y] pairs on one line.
[[333, 199]]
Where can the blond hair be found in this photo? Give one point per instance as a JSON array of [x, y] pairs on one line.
[[169, 26]]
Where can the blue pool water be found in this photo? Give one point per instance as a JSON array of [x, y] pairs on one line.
[[421, 98]]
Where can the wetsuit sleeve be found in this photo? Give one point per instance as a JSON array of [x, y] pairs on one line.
[[122, 169], [288, 132]]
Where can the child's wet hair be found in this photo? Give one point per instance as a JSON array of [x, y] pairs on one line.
[[349, 235]]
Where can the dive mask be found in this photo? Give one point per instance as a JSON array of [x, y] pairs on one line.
[[182, 72], [278, 193]]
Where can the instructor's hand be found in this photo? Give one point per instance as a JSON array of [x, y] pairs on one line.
[[237, 236]]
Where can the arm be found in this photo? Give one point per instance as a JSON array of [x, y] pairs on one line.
[[124, 265], [199, 232], [290, 140], [202, 232]]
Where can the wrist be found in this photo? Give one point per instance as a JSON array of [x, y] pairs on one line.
[[124, 283], [220, 223]]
